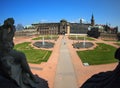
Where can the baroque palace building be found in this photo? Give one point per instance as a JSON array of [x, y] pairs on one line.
[[63, 27]]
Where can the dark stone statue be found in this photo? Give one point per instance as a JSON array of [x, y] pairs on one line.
[[109, 79], [14, 69]]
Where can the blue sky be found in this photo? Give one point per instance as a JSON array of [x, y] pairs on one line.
[[27, 12]]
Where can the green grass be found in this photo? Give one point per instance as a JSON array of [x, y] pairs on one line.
[[33, 55], [46, 37], [80, 38], [102, 54]]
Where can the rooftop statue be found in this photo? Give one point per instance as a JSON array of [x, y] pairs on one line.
[[14, 68], [109, 79]]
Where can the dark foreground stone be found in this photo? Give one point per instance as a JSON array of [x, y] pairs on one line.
[[110, 79], [17, 78], [13, 75], [6, 82]]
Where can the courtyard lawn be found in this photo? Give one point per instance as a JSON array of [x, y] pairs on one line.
[[46, 37], [102, 54], [33, 55], [73, 37]]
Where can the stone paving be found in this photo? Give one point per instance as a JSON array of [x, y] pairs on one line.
[[47, 70], [65, 74]]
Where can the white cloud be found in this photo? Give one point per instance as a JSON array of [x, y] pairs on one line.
[[78, 20], [83, 20]]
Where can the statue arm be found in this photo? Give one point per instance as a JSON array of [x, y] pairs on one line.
[[4, 37], [14, 30], [6, 46]]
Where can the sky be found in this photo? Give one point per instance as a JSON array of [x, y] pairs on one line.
[[26, 12]]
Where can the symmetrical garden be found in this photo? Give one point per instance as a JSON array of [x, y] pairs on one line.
[[102, 54]]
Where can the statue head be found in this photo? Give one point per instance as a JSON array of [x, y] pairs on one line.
[[9, 22], [117, 54]]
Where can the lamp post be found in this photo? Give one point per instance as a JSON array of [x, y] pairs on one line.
[[51, 33], [76, 34], [43, 41]]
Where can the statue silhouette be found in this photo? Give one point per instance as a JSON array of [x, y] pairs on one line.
[[13, 63]]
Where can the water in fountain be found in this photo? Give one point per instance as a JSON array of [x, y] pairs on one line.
[[51, 36], [76, 37], [43, 44], [84, 43], [43, 41]]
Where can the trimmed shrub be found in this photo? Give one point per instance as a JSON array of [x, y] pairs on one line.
[[94, 32], [118, 36]]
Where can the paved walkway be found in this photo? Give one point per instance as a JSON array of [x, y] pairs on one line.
[[65, 75]]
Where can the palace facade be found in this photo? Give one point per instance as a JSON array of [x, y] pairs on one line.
[[63, 27]]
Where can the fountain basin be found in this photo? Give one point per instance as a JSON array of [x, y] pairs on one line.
[[83, 45], [45, 45]]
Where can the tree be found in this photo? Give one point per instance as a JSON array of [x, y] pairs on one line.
[[116, 30], [94, 32], [19, 27], [118, 36], [106, 28]]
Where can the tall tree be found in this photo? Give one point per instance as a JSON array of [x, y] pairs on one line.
[[19, 27]]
